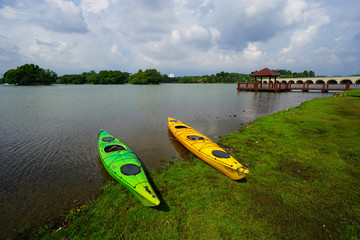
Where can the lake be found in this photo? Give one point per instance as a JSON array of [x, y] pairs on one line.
[[48, 136]]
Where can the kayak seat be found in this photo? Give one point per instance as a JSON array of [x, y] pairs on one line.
[[195, 137], [113, 148], [220, 154], [130, 169]]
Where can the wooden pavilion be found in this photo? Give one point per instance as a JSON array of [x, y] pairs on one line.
[[259, 86], [265, 73]]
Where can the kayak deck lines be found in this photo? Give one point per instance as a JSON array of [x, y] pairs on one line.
[[207, 144]]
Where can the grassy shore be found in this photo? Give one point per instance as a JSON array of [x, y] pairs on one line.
[[304, 183]]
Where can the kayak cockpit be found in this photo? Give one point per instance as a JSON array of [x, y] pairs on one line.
[[195, 137], [180, 127], [113, 148]]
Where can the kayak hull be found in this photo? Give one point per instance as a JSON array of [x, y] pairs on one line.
[[124, 166], [207, 150]]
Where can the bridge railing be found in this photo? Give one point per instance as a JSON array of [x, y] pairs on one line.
[[336, 86], [316, 86], [354, 86], [296, 85]]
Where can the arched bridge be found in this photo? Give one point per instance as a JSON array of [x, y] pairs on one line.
[[321, 80], [323, 84]]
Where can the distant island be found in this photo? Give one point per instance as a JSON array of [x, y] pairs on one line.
[[31, 74]]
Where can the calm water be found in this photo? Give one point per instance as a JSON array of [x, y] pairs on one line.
[[48, 135]]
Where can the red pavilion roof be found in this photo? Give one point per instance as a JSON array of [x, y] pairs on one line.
[[265, 73]]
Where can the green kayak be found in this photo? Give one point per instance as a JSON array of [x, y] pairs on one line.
[[125, 167]]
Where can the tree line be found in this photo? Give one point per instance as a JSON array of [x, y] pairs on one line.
[[222, 77], [289, 74], [103, 77], [30, 74]]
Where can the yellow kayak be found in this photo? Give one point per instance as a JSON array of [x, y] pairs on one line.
[[207, 150]]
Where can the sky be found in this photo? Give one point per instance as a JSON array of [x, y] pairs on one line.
[[183, 37]]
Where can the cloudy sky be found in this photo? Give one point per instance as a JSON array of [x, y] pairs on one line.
[[184, 37]]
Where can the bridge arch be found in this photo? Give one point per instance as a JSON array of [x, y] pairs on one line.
[[345, 81], [319, 81], [283, 82], [330, 80], [299, 82], [292, 81], [309, 82]]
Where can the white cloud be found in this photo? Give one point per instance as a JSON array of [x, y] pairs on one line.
[[351, 59], [256, 8], [294, 11], [303, 36], [226, 59], [338, 39], [251, 52], [198, 36], [334, 59], [10, 13], [180, 36], [114, 49], [61, 16], [94, 5], [175, 36]]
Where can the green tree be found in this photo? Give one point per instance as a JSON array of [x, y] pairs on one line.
[[289, 74], [138, 78], [88, 74], [222, 77], [72, 79], [93, 78], [153, 76], [10, 76], [150, 76], [30, 74]]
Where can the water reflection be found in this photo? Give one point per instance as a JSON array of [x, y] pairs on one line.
[[180, 149]]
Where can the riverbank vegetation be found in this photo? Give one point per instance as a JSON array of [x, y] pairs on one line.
[[149, 76], [222, 77], [289, 74], [304, 183], [30, 74]]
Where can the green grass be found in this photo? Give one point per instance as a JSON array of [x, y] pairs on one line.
[[304, 183], [351, 93]]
